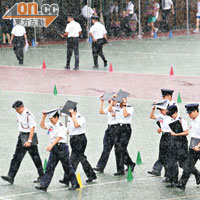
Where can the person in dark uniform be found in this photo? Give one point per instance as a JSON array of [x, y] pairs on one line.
[[179, 144], [99, 38], [193, 155], [18, 39], [76, 127], [124, 114], [58, 150], [72, 31], [6, 28], [27, 141], [157, 167], [110, 133]]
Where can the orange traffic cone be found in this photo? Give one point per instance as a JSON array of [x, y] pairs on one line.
[[171, 71], [44, 65], [110, 68]]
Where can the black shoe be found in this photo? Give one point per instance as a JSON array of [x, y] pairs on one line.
[[98, 169], [167, 180], [20, 62], [64, 182], [132, 167], [67, 67], [8, 178], [105, 63], [119, 173], [154, 172], [38, 180], [171, 185], [180, 186], [197, 180], [41, 188], [76, 68], [96, 67], [74, 187], [90, 179]]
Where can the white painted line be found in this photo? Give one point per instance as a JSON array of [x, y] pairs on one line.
[[184, 197]]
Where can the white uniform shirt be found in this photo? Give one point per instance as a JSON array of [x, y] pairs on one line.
[[26, 121], [111, 120], [73, 28], [198, 9], [98, 30], [164, 122], [18, 30], [157, 6], [120, 116], [57, 130], [87, 12], [114, 9], [183, 122], [130, 7], [195, 128], [76, 131], [168, 4]]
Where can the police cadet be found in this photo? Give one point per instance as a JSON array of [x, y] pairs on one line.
[[99, 38], [165, 140], [110, 133], [72, 31], [76, 127], [27, 141], [194, 154], [124, 114], [179, 143], [18, 39], [58, 150], [157, 167]]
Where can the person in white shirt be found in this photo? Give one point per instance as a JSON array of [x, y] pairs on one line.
[[87, 12], [179, 146], [197, 17], [167, 7], [18, 39], [72, 31], [110, 134], [194, 153], [114, 10], [58, 149], [27, 141], [99, 38]]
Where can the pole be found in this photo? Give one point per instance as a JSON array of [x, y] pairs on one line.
[[139, 19], [35, 36], [187, 25]]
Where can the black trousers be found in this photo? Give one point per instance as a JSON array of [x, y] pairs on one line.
[[97, 50], [78, 145], [60, 152], [178, 156], [164, 152], [123, 135], [73, 45], [18, 156], [108, 143], [189, 167], [158, 166], [125, 25], [18, 47], [165, 23]]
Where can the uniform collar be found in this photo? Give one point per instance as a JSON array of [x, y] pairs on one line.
[[25, 110]]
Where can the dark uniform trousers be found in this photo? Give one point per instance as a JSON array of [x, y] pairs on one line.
[[165, 23], [73, 45], [108, 143], [97, 50], [164, 152], [60, 152], [125, 25], [189, 167], [123, 135], [19, 155], [178, 156], [18, 47]]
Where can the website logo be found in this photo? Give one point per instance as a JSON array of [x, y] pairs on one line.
[[28, 15]]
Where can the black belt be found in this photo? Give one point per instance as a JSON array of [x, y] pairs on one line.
[[24, 132], [122, 125], [72, 136], [60, 143], [112, 125], [166, 133]]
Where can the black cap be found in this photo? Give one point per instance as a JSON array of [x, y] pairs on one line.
[[107, 96], [171, 110], [162, 104], [121, 95], [70, 15], [191, 107], [52, 112], [166, 92], [95, 17], [69, 105], [17, 104]]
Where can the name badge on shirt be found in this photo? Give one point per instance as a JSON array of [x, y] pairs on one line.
[[49, 131]]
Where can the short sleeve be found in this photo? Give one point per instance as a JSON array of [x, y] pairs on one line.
[[184, 125], [81, 120], [14, 31], [105, 110], [104, 30], [62, 132], [31, 121], [91, 29], [24, 30], [157, 117], [80, 29], [67, 28], [129, 110]]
